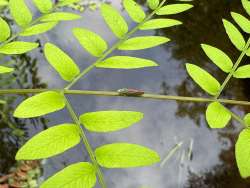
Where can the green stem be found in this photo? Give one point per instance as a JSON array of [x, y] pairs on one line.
[[116, 94], [229, 76], [86, 142], [114, 47]]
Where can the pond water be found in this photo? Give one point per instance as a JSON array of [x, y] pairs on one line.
[[166, 123]]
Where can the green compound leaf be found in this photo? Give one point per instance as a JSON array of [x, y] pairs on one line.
[[247, 119], [246, 5], [40, 104], [242, 72], [139, 43], [242, 152], [125, 155], [5, 30], [217, 116], [90, 41], [173, 9], [38, 29], [206, 81], [44, 6], [79, 175], [218, 57], [63, 3], [242, 21], [109, 121], [61, 62], [125, 62], [5, 70], [50, 142], [159, 23], [134, 10], [114, 20], [234, 35], [20, 12], [153, 4], [59, 16], [18, 47]]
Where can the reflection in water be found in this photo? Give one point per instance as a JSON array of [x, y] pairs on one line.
[[165, 123]]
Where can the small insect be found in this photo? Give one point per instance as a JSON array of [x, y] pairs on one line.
[[130, 92]]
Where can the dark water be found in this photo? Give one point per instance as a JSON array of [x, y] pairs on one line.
[[166, 123]]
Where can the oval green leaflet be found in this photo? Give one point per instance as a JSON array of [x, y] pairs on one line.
[[173, 9], [246, 5], [134, 10], [125, 155], [242, 72], [217, 115], [139, 43], [40, 104], [114, 20], [44, 6], [159, 23], [242, 21], [109, 121], [90, 41], [5, 30], [234, 35], [206, 81], [38, 29], [59, 16], [61, 62], [50, 142], [218, 57], [18, 47], [242, 152], [79, 175], [125, 62], [20, 12], [153, 4], [4, 69]]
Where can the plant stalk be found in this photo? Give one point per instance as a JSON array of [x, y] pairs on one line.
[[86, 142]]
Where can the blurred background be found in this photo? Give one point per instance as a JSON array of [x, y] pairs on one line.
[[206, 157]]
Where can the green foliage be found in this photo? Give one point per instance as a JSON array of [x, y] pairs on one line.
[[140, 43], [246, 5], [61, 62], [90, 41], [38, 29], [218, 57], [134, 10], [247, 119], [217, 115], [20, 12], [59, 16], [125, 62], [153, 4], [114, 20], [242, 21], [242, 151], [74, 176], [242, 72], [41, 104], [109, 121], [18, 47], [206, 81], [5, 69], [234, 34], [63, 3], [159, 23], [5, 30], [173, 9], [125, 155], [4, 2], [50, 142], [44, 6]]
